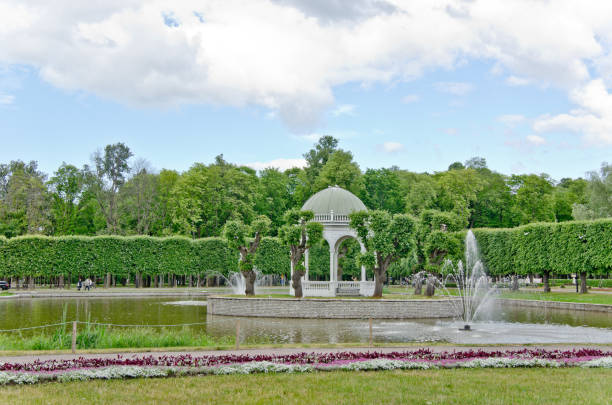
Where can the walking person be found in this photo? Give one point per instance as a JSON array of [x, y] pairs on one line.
[[88, 284], [79, 285]]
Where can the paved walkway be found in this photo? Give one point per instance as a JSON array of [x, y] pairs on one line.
[[279, 351]]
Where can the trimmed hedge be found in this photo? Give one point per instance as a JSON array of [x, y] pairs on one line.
[[560, 248], [42, 256]]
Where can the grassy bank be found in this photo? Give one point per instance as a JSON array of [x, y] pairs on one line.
[[592, 298], [104, 338], [477, 386]]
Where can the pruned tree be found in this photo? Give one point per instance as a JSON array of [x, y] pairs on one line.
[[237, 234], [387, 238], [299, 233]]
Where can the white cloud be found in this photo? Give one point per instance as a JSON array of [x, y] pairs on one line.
[[527, 144], [455, 88], [517, 81], [511, 120], [450, 131], [289, 55], [6, 99], [535, 140], [592, 119], [344, 109], [282, 164], [391, 147], [410, 98]]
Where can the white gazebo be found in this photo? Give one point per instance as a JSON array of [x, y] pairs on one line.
[[331, 208]]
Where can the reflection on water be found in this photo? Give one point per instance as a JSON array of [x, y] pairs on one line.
[[503, 325]]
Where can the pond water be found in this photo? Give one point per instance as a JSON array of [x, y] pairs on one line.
[[504, 325]]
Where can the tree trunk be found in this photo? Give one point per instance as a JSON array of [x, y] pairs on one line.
[[430, 290], [31, 284], [379, 280], [61, 281], [137, 281], [545, 275], [190, 280], [296, 283], [530, 278], [198, 281], [418, 286], [583, 283], [249, 282], [208, 281], [515, 285], [107, 280]]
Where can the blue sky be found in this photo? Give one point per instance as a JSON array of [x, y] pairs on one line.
[[396, 108]]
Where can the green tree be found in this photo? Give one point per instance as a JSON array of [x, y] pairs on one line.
[[237, 235], [24, 199], [381, 190], [420, 191], [533, 198], [273, 196], [66, 188], [318, 156], [299, 233], [457, 191], [387, 239], [108, 175], [456, 166], [139, 199], [566, 194], [599, 195], [340, 170], [493, 204], [205, 197]]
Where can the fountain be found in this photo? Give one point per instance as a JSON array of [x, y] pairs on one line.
[[474, 292], [235, 280]]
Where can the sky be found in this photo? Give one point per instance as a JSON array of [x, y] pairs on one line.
[[417, 84]]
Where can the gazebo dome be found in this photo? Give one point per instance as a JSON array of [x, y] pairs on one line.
[[336, 199]]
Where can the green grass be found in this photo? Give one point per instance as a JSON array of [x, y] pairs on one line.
[[103, 338], [478, 386], [569, 296], [590, 298], [5, 293]]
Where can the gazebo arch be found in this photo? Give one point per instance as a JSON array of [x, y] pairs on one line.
[[331, 207]]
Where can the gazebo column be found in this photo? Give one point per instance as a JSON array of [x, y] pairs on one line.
[[306, 264], [363, 269], [333, 273]]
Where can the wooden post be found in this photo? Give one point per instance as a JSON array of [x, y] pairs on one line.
[[237, 334], [371, 340], [74, 334]]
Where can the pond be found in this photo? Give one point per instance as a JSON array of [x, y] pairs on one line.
[[504, 325]]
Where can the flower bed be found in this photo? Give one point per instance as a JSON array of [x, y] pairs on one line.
[[81, 369]]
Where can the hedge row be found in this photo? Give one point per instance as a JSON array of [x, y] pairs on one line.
[[41, 256], [559, 248]]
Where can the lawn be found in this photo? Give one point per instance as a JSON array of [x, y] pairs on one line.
[[590, 298], [477, 386]]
